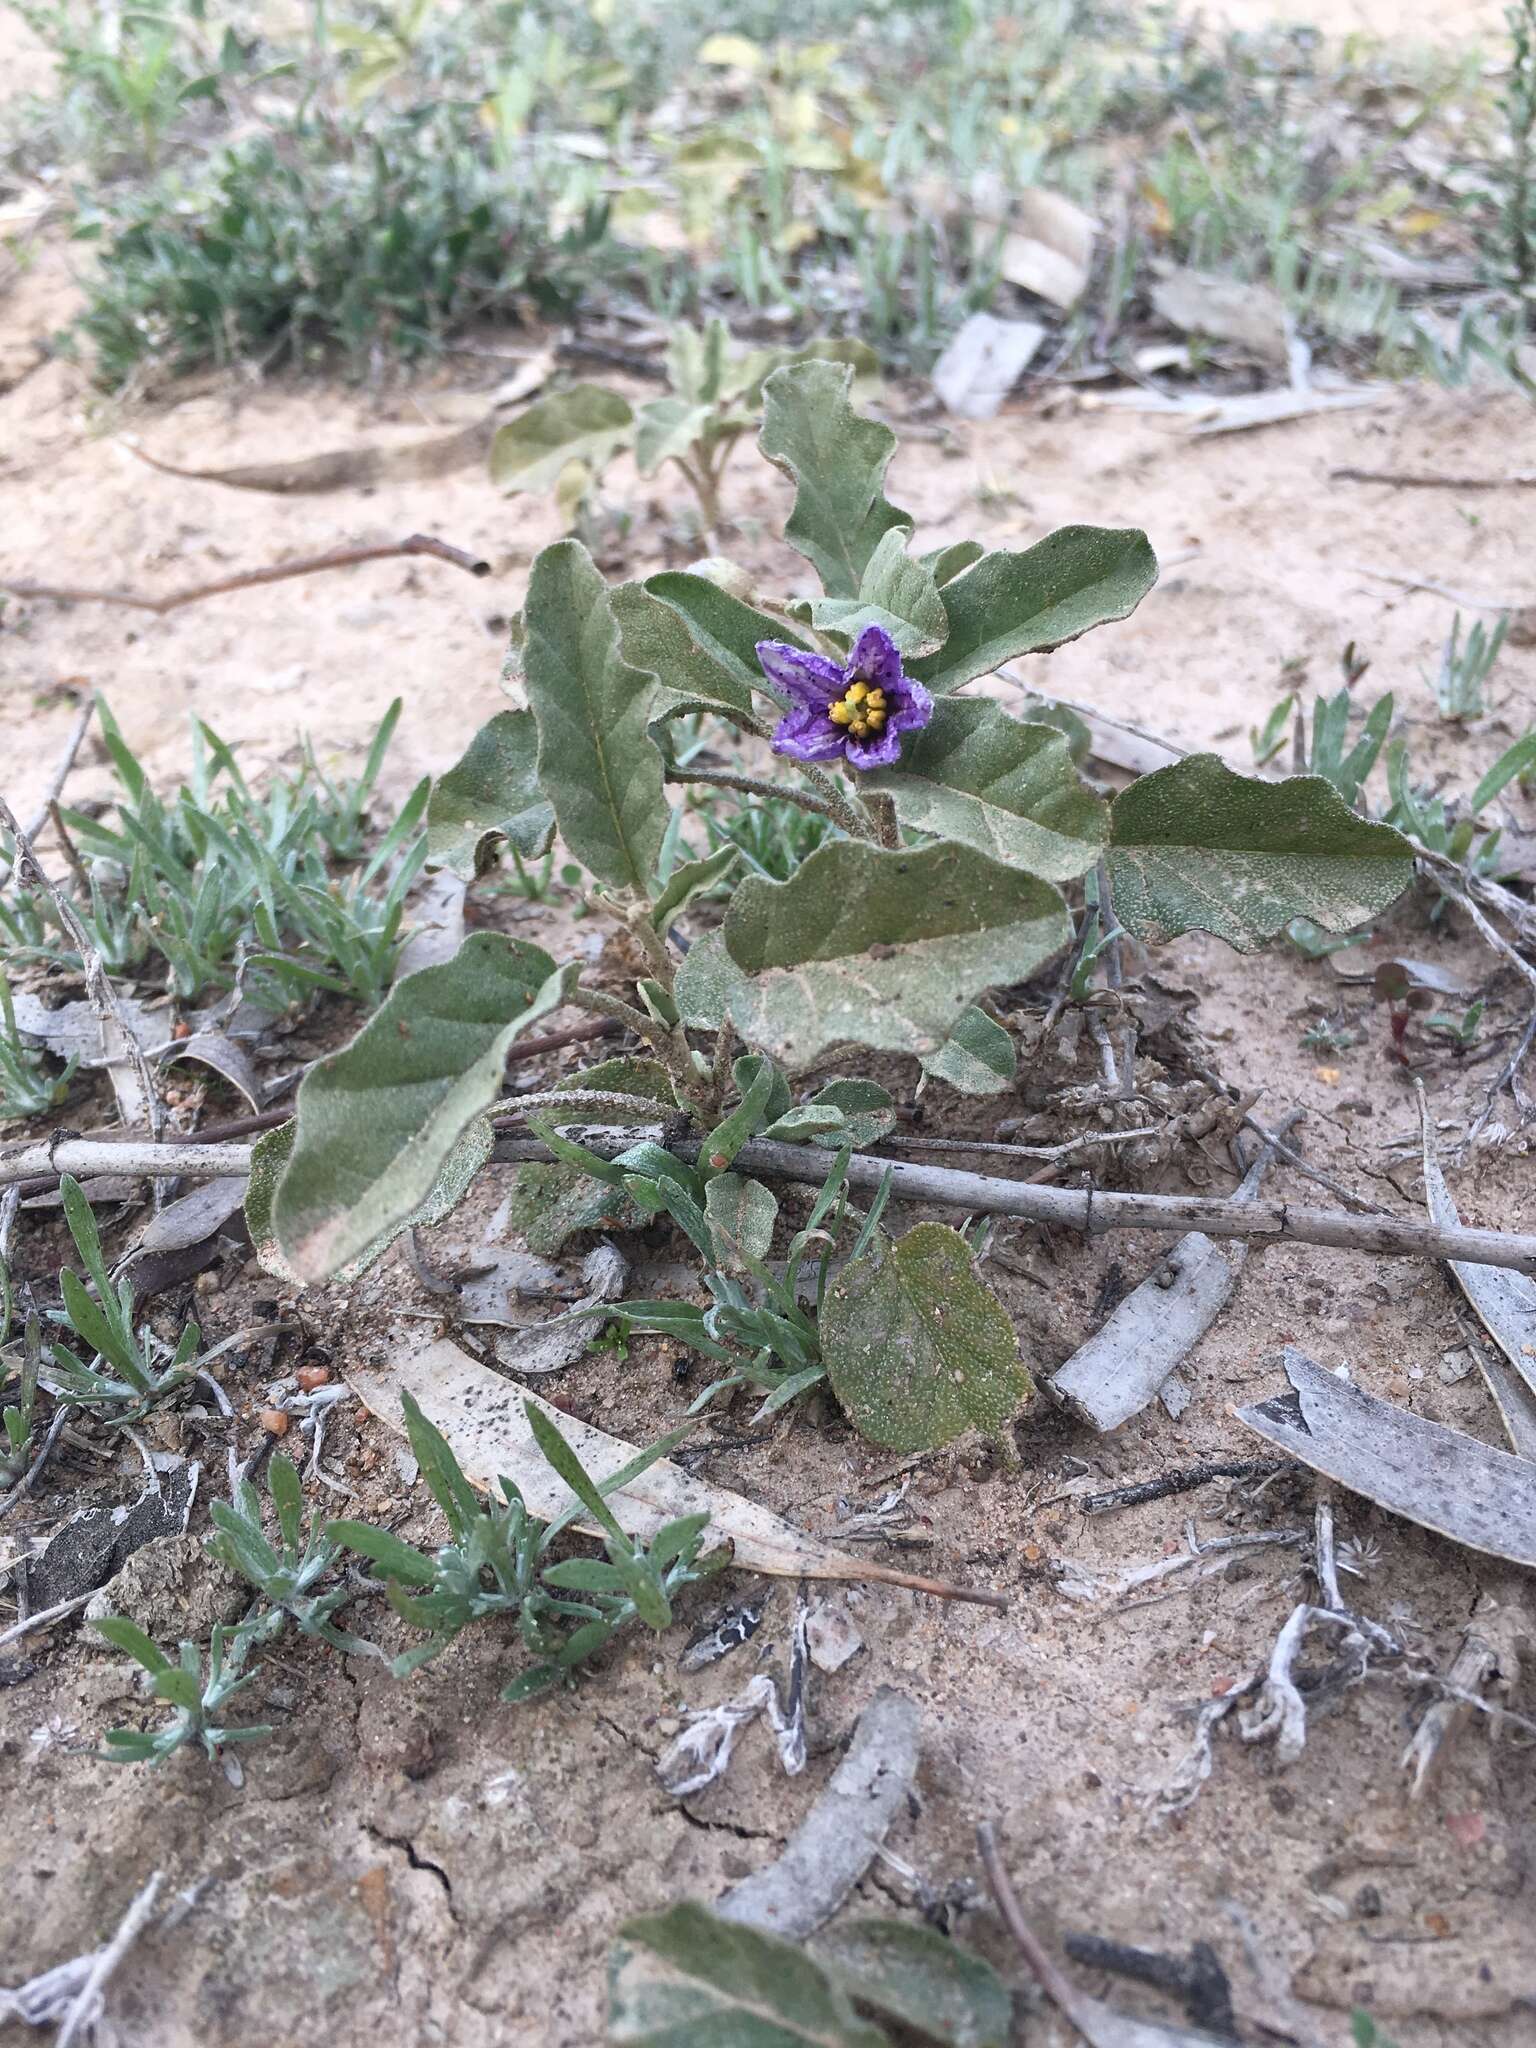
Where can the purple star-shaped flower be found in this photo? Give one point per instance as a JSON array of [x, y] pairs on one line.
[[859, 711]]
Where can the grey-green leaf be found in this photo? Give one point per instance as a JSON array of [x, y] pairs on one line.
[[868, 1114], [947, 563], [741, 1214], [699, 641], [583, 424], [1011, 603], [837, 462], [878, 947], [977, 1058], [974, 773], [597, 763], [706, 981], [916, 1976], [690, 880], [377, 1120], [1194, 847], [917, 1348], [491, 794], [271, 1153], [683, 1979], [896, 592], [666, 429]]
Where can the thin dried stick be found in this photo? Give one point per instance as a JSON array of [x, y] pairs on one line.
[[1470, 599], [1434, 480], [247, 579], [86, 2010], [45, 1619], [60, 774], [1077, 2007]]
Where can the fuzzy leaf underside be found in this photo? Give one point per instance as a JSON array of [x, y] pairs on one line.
[[1011, 790], [917, 1348], [1012, 603], [1195, 847], [897, 592], [377, 1121], [597, 763], [878, 947], [584, 424], [491, 793], [837, 462], [682, 1979], [271, 1153]]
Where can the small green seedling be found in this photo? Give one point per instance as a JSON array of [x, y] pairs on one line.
[[287, 1574], [1465, 666], [27, 1087], [199, 1696], [17, 1417]]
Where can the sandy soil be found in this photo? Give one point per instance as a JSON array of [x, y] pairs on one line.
[[430, 1865]]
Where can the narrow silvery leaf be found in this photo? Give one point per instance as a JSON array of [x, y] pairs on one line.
[[917, 1348], [680, 1978], [377, 1120], [896, 592], [976, 774], [491, 794], [1010, 603], [1195, 847], [597, 764], [584, 424], [837, 461], [878, 947], [977, 1058]]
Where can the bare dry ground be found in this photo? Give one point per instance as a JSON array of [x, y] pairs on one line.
[[423, 1863]]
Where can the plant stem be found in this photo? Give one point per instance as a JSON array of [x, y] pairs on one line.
[[882, 809], [830, 806]]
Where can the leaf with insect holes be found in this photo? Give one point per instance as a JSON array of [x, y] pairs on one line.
[[377, 1121], [583, 424], [271, 1153], [917, 1348], [837, 462], [897, 593], [1194, 847], [550, 1204], [492, 793], [977, 1058], [976, 774], [1011, 603], [921, 1978], [683, 1978], [597, 764], [741, 1214], [881, 947]]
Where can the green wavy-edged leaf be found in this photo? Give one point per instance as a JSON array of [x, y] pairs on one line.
[[683, 1979], [377, 1120], [976, 774], [696, 640], [597, 763], [492, 793], [880, 947], [837, 461], [918, 1349], [1195, 847], [270, 1155], [978, 1057], [897, 592], [920, 1977], [1012, 603], [583, 424], [665, 430]]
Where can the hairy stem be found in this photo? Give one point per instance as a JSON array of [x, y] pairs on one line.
[[830, 805]]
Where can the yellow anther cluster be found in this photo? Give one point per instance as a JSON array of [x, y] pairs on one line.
[[862, 710]]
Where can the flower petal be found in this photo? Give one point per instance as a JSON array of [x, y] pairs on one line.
[[876, 659], [807, 735], [912, 709], [808, 679], [882, 752]]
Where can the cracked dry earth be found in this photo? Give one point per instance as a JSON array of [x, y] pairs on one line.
[[421, 1863]]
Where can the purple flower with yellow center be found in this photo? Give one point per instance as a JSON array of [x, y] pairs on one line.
[[858, 711]]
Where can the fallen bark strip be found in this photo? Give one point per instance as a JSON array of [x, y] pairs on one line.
[[1482, 1498], [1088, 1210], [1435, 480], [247, 579]]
